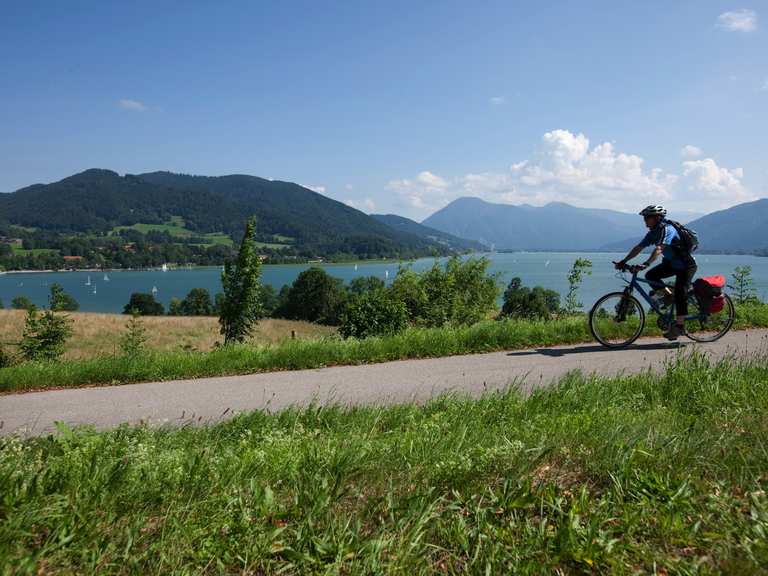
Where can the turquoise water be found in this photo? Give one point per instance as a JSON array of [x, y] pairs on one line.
[[540, 268]]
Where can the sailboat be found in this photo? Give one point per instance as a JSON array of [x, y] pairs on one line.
[[355, 267], [165, 268], [154, 290], [386, 273], [89, 281], [94, 288], [106, 278]]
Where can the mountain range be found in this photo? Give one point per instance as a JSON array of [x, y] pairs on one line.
[[558, 226], [97, 201]]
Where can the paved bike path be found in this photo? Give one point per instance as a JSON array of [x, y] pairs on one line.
[[210, 400]]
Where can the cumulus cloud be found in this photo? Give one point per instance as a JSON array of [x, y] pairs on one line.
[[132, 105], [366, 204], [704, 182], [690, 151], [498, 100], [738, 20], [567, 168]]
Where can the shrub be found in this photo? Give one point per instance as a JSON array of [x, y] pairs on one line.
[[523, 302], [269, 300], [240, 307], [580, 267], [143, 305], [374, 313], [45, 335], [60, 301], [133, 342], [743, 285], [21, 303], [363, 284], [459, 293], [315, 296], [5, 357]]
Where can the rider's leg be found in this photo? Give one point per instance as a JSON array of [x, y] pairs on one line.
[[683, 280], [656, 274]]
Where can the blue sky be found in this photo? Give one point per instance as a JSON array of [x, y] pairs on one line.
[[398, 106]]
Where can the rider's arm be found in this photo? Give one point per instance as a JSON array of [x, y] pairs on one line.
[[632, 253], [655, 254]]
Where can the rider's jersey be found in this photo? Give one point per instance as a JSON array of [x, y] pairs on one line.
[[665, 234]]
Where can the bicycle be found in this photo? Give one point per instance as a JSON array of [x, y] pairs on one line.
[[618, 319]]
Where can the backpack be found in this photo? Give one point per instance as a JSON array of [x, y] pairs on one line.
[[689, 240]]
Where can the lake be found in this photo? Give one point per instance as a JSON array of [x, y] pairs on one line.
[[99, 293]]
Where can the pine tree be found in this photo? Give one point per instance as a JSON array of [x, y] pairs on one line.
[[241, 305]]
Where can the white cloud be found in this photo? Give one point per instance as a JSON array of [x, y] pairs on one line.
[[711, 185], [132, 105], [567, 168], [764, 87], [366, 204], [498, 100], [318, 189], [425, 191], [690, 151], [738, 20]]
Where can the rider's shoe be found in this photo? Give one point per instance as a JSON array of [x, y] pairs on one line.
[[674, 332]]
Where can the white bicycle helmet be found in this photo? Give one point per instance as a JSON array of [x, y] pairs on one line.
[[653, 211]]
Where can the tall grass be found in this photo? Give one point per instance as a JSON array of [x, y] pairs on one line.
[[638, 474], [305, 354]]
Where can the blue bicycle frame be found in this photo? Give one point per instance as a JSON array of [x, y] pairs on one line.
[[669, 315]]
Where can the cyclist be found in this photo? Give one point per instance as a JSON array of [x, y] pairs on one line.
[[676, 261]]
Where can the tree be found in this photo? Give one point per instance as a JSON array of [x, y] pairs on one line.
[[374, 313], [174, 307], [21, 303], [61, 301], [523, 302], [45, 335], [362, 284], [143, 305], [269, 300], [197, 303], [315, 296], [240, 307], [580, 267], [133, 341], [743, 285]]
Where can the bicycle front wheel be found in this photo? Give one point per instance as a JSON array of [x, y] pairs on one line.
[[616, 320], [703, 326]]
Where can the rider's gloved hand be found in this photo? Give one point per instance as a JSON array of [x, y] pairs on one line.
[[620, 264]]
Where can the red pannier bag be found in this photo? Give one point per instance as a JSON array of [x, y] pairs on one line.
[[709, 292]]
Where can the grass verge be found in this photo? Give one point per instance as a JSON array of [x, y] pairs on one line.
[[639, 474], [306, 354]]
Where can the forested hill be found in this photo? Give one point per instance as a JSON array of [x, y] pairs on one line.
[[96, 201], [407, 225]]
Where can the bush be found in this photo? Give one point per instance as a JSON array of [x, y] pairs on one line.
[[374, 313], [44, 335], [523, 302], [315, 296], [133, 342], [5, 357], [21, 303], [363, 284], [143, 305], [270, 300], [459, 294], [60, 301], [196, 303]]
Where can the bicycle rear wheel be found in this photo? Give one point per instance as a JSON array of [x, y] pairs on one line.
[[616, 320], [708, 326]]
